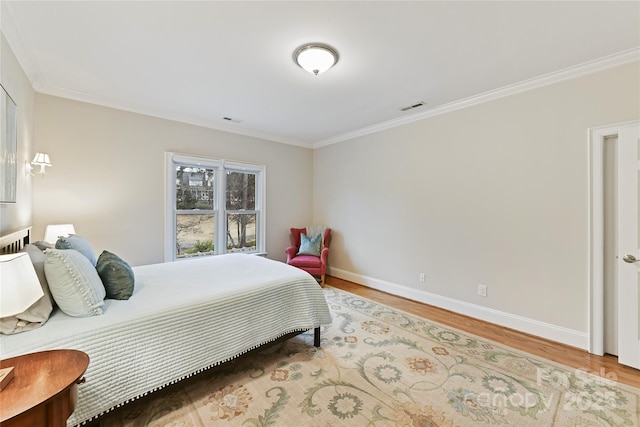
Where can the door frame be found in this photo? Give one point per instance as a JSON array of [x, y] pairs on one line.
[[597, 136]]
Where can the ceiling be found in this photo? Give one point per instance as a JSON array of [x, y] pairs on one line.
[[201, 61]]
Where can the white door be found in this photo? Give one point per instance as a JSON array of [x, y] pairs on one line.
[[628, 237]]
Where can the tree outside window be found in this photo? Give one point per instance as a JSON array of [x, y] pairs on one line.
[[195, 214], [241, 211], [216, 206]]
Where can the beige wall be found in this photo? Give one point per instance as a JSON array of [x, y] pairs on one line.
[[18, 215], [495, 194], [108, 176]]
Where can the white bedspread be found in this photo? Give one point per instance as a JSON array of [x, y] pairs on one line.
[[183, 317]]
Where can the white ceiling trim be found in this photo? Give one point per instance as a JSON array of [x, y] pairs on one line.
[[32, 69], [621, 58], [35, 76], [167, 115], [25, 57]]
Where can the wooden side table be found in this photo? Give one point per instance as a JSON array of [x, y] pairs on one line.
[[43, 389]]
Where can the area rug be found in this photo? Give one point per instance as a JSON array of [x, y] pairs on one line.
[[379, 366]]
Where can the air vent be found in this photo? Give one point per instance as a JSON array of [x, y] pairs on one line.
[[229, 119], [411, 107]]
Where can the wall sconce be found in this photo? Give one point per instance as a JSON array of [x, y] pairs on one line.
[[40, 159]]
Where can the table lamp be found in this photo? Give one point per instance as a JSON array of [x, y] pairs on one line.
[[53, 231], [19, 289]]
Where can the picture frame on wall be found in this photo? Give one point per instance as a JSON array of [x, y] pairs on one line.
[[8, 148]]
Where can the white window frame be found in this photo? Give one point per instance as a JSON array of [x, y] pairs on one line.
[[220, 167]]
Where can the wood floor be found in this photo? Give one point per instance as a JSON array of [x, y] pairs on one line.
[[574, 357]]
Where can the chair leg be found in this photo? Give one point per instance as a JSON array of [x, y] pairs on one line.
[[322, 281]]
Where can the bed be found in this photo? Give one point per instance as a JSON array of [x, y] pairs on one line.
[[183, 317]]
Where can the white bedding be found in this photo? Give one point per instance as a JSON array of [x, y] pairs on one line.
[[183, 317]]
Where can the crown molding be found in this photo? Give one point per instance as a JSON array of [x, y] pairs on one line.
[[611, 61], [13, 35], [167, 115], [32, 69]]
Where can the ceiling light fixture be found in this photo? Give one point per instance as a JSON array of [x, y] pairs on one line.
[[315, 58]]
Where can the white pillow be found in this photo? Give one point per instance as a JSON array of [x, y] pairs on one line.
[[74, 283]]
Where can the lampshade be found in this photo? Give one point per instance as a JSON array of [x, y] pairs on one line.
[[316, 58], [42, 160], [53, 231], [19, 284]]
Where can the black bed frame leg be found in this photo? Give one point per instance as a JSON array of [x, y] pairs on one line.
[[316, 337]]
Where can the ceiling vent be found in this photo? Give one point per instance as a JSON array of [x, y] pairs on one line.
[[411, 107]]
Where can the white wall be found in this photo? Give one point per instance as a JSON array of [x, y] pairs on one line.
[[494, 194], [18, 215], [108, 169]]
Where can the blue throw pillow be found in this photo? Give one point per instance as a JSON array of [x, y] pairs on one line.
[[310, 246], [78, 243]]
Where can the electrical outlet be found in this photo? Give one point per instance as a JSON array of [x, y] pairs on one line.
[[482, 290], [422, 277]]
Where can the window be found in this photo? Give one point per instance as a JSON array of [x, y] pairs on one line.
[[213, 207]]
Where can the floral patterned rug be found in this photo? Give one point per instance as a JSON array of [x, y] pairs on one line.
[[378, 366]]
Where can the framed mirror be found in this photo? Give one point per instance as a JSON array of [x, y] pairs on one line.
[[8, 148]]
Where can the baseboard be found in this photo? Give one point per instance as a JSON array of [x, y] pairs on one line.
[[530, 326]]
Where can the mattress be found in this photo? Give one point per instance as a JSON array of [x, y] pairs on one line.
[[183, 317]]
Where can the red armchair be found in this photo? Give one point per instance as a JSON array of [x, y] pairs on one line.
[[314, 265]]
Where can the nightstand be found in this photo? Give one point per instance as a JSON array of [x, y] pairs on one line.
[[43, 389]]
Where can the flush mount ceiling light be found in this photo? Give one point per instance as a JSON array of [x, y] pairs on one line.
[[316, 58]]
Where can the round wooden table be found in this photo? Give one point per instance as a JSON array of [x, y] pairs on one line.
[[43, 389]]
